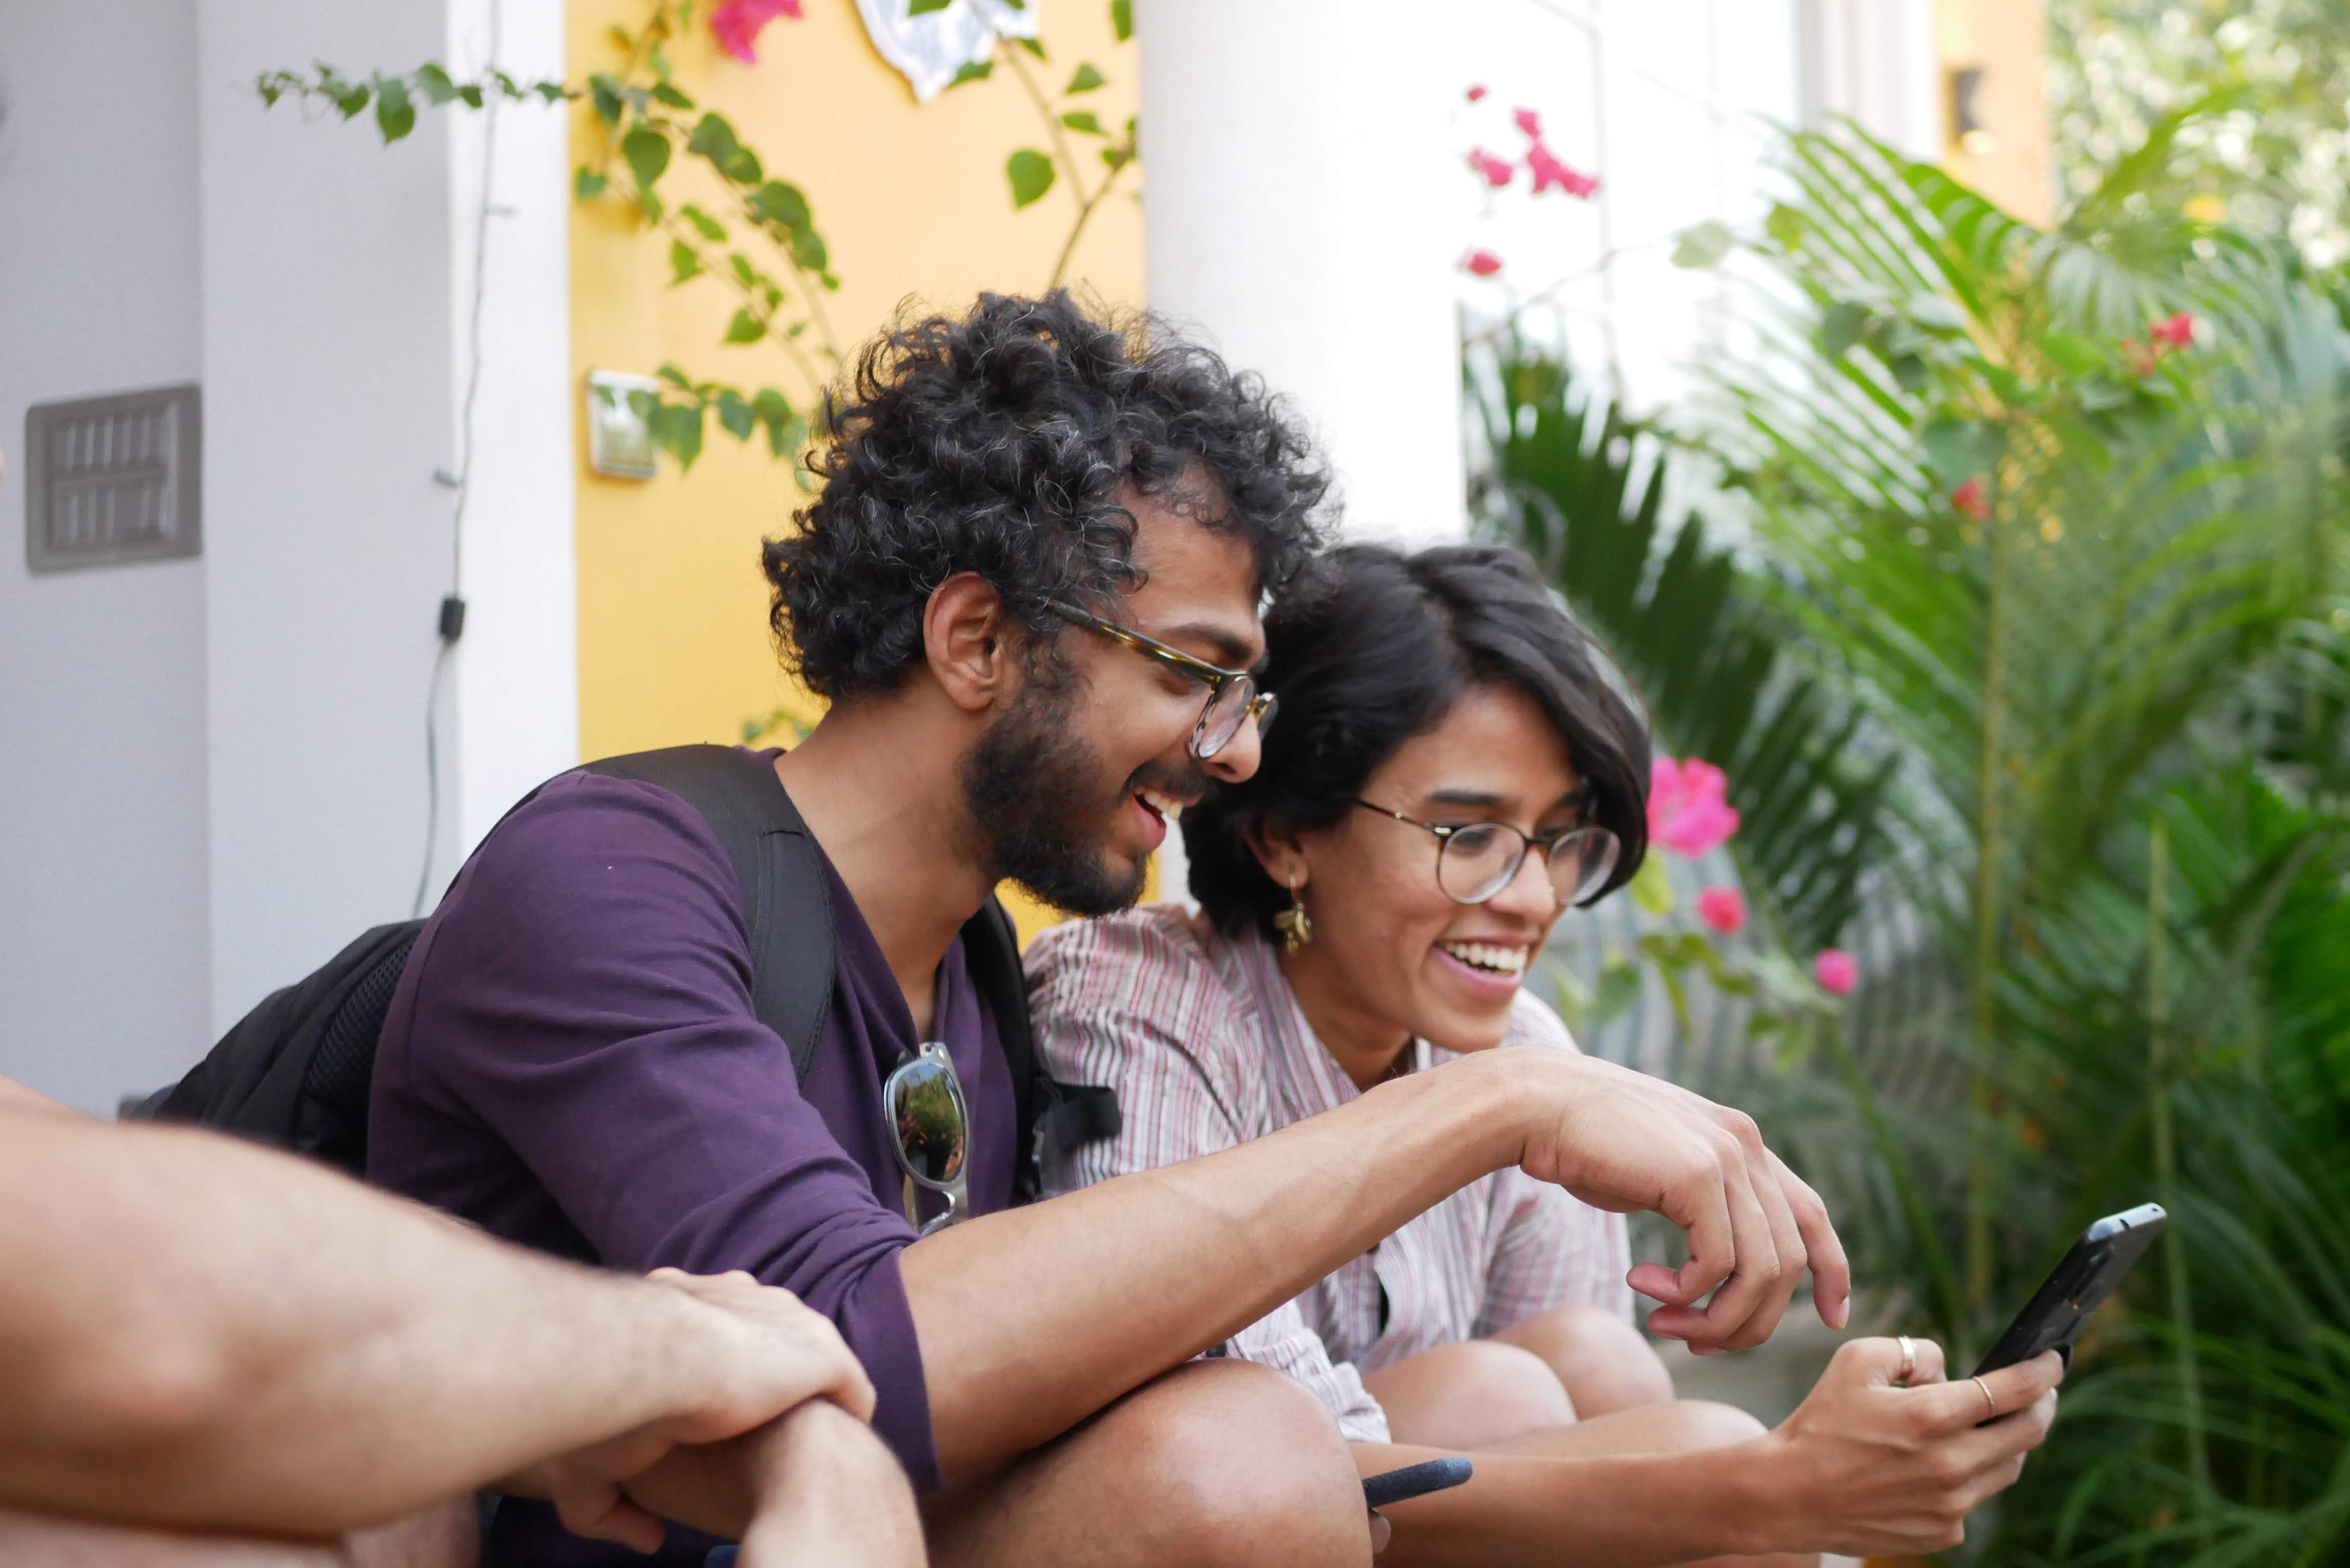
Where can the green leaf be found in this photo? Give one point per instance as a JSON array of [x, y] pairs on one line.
[[973, 71], [677, 430], [808, 250], [470, 95], [1936, 313], [2072, 353], [665, 94], [435, 85], [395, 116], [1703, 245], [924, 8], [734, 415], [742, 167], [1031, 174], [647, 151], [551, 92], [683, 261], [1117, 157], [1121, 18], [713, 138], [676, 377], [1840, 327], [1033, 45], [1085, 80], [1652, 889], [588, 184], [602, 91], [745, 327], [1960, 450], [744, 273], [350, 97], [1084, 120], [708, 227], [1786, 226], [1620, 988], [780, 202]]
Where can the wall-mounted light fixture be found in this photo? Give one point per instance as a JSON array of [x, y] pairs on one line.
[[1963, 93], [619, 441]]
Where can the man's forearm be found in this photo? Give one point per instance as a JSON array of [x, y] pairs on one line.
[[228, 1337], [815, 1485], [1032, 1319]]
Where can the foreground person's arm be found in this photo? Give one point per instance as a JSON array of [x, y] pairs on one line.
[[1032, 1319], [206, 1335], [1864, 1468]]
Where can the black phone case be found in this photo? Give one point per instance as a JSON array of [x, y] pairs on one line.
[[2076, 1287]]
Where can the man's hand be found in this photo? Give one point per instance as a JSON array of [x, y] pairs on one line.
[[760, 1354], [1623, 1141], [1873, 1468]]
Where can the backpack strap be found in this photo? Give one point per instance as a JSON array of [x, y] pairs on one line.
[[785, 901], [1051, 1115]]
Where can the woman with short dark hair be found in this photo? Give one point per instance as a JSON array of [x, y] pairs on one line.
[[1449, 772]]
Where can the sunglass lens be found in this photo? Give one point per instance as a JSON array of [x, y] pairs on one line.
[[926, 1105]]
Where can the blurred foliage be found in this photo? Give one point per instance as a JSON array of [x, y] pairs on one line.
[[2274, 157], [2050, 531]]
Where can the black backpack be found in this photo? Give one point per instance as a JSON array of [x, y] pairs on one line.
[[295, 1071]]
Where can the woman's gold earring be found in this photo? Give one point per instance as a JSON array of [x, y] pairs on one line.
[[1295, 925]]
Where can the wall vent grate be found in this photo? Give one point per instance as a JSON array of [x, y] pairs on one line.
[[113, 479]]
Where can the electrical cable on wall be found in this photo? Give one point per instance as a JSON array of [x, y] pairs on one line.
[[452, 622]]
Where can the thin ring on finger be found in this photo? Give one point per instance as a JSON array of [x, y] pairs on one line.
[[1990, 1401], [1908, 1359]]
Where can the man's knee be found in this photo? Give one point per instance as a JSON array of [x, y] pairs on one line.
[[1248, 1466]]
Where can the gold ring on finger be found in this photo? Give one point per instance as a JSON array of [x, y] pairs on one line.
[[1908, 1359], [1990, 1405]]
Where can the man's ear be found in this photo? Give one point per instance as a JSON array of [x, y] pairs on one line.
[[969, 643], [1280, 850]]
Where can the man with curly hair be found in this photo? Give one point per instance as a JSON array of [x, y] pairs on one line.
[[1029, 586]]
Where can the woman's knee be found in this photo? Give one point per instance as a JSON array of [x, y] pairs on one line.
[[1603, 1360], [1471, 1393]]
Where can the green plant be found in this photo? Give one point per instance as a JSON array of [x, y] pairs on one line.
[[2061, 513], [751, 232]]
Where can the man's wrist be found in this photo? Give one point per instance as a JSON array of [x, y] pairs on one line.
[[1494, 1096]]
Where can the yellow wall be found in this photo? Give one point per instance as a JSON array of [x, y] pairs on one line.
[[2009, 40], [911, 198]]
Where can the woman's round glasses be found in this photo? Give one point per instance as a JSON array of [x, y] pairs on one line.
[[1475, 860], [932, 1125]]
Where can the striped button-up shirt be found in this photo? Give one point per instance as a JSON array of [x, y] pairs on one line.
[[1204, 1044]]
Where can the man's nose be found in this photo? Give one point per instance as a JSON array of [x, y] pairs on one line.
[[1239, 758]]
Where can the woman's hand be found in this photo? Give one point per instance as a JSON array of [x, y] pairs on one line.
[[1871, 1468]]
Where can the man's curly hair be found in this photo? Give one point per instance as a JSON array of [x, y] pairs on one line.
[[1002, 443]]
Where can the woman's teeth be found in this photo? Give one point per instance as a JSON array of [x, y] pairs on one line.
[[1482, 955], [1166, 806]]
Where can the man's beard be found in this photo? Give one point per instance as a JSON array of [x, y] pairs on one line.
[[1033, 789]]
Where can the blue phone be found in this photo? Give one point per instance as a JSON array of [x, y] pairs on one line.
[[1413, 1481]]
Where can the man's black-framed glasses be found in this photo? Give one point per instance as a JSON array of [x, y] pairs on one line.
[[932, 1123], [1475, 860], [1232, 697]]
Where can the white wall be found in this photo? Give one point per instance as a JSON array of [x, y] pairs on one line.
[[103, 946]]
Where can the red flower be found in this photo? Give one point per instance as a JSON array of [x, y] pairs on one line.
[[1723, 909], [1837, 970], [2142, 357], [1484, 263], [1476, 92], [1688, 813], [1497, 171], [1549, 172], [736, 24], [1530, 122], [1971, 500], [2178, 331]]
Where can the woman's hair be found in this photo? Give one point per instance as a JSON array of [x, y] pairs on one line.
[[1373, 648], [1006, 442]]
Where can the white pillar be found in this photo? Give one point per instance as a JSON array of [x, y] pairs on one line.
[[1300, 187]]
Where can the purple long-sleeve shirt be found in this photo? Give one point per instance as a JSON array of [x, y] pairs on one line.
[[572, 1062]]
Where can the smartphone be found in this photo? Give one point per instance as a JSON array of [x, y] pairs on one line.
[[2076, 1287], [1413, 1481]]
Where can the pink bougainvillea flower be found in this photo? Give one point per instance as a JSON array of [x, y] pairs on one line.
[[1971, 500], [2178, 332], [1476, 92], [1688, 813], [1484, 263], [1837, 970], [1497, 171], [1549, 172], [1530, 122], [1723, 909], [736, 24]]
